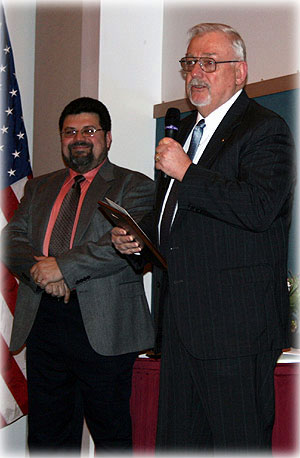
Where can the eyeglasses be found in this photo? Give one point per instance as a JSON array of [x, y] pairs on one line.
[[207, 64], [85, 132]]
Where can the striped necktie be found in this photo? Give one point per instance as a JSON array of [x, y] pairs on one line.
[[63, 227], [167, 217], [196, 138]]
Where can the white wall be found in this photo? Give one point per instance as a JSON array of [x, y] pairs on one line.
[[130, 81], [268, 27], [130, 77]]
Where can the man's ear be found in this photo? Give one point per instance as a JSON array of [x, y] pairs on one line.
[[108, 139], [241, 73]]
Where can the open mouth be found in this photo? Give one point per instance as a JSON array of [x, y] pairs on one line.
[[77, 148], [199, 86], [80, 147]]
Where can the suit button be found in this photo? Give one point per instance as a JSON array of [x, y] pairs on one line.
[[158, 284]]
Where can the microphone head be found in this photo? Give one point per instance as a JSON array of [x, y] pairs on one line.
[[172, 121]]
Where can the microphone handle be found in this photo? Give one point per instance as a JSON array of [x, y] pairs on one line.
[[170, 133]]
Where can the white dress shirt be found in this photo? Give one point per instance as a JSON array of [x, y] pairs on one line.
[[211, 123]]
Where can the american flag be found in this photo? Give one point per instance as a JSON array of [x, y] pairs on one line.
[[15, 170]]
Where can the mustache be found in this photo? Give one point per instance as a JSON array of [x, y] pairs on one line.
[[198, 82], [79, 143]]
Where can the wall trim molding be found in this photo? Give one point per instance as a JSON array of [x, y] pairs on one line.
[[264, 87]]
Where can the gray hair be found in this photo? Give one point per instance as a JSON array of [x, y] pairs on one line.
[[237, 42]]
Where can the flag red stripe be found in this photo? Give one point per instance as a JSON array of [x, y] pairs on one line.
[[9, 202], [13, 377]]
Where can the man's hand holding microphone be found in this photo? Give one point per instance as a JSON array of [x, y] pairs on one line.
[[172, 161]]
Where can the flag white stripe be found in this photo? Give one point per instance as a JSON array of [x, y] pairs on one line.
[[3, 220], [18, 188], [6, 320], [21, 361]]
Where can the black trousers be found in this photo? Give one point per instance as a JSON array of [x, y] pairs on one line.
[[68, 380], [221, 405]]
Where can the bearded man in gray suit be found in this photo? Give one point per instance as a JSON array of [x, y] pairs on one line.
[[81, 310]]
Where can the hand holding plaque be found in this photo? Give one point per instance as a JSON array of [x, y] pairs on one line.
[[121, 218]]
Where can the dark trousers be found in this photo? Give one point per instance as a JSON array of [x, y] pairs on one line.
[[68, 380], [221, 405]]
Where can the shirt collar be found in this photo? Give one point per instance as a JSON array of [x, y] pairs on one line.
[[216, 116], [90, 175]]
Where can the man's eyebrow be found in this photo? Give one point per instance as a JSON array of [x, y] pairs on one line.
[[84, 127], [205, 54]]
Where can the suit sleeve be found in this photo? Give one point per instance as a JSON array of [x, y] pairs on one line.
[[18, 249], [257, 191], [96, 259]]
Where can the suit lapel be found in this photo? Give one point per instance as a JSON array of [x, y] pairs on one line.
[[162, 186], [215, 146], [186, 126], [97, 191], [229, 123]]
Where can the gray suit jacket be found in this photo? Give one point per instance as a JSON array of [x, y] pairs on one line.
[[110, 293]]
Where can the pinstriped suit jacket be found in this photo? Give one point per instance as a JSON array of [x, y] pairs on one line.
[[227, 262], [111, 295]]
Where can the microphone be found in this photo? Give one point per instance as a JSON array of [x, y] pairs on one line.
[[172, 121]]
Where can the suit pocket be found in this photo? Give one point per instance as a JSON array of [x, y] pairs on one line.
[[247, 306], [131, 289], [246, 274]]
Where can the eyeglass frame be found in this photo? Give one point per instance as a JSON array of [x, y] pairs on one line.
[[198, 60], [62, 133]]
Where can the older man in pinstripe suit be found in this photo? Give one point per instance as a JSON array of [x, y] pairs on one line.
[[224, 296]]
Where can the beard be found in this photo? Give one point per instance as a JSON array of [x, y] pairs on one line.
[[198, 82], [83, 161]]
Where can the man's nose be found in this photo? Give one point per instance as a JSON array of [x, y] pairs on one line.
[[78, 136], [197, 70]]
